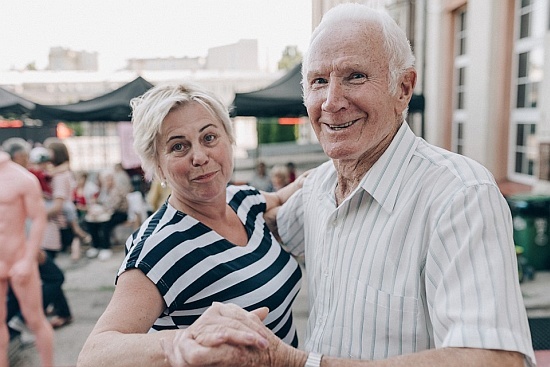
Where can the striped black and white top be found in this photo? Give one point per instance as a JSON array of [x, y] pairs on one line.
[[419, 256], [192, 266]]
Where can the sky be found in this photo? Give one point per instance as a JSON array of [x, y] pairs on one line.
[[122, 29]]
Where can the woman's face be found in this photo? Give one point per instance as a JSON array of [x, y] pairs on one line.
[[195, 155]]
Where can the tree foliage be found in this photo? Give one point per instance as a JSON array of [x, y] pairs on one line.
[[270, 131], [291, 57]]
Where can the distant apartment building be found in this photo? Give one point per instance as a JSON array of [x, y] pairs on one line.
[[169, 63], [242, 55], [65, 59]]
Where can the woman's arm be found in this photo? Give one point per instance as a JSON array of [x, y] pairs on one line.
[[120, 337], [56, 208]]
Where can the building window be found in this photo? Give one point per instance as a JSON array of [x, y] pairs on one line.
[[531, 23], [525, 150], [461, 61]]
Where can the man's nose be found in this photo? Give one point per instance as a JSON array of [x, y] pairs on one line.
[[335, 98]]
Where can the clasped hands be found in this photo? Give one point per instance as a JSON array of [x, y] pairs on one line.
[[225, 335]]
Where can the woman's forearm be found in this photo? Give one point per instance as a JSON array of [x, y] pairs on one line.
[[112, 348]]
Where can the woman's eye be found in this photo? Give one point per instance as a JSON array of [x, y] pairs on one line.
[[209, 138], [178, 147]]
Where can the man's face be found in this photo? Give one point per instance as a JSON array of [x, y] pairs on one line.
[[346, 93]]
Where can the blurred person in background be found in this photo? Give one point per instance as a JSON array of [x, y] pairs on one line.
[[105, 212], [291, 171], [280, 176], [207, 243], [122, 178], [157, 195], [21, 199], [38, 160], [81, 197], [40, 166], [261, 179], [18, 149], [62, 184]]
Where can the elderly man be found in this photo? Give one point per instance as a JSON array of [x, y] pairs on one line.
[[408, 247]]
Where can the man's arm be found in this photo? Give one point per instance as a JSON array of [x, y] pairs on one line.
[[36, 212], [280, 354], [449, 357]]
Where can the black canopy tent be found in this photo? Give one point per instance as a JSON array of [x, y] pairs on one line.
[[283, 98], [113, 106], [11, 103]]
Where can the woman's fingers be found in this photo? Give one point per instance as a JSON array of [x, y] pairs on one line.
[[228, 323]]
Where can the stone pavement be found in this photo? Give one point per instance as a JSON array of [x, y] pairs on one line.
[[89, 285]]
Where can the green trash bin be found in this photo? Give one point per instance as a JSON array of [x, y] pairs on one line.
[[531, 216]]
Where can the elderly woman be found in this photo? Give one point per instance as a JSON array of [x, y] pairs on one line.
[[207, 243]]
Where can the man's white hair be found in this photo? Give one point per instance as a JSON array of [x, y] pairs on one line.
[[396, 45]]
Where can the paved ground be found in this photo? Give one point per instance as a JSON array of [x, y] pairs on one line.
[[89, 286]]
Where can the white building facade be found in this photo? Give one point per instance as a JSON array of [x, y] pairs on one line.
[[486, 83]]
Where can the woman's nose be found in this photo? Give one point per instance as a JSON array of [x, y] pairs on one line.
[[199, 157]]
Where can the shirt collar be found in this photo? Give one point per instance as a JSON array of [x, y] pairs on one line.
[[383, 181]]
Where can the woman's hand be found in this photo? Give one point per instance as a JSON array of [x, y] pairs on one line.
[[225, 335]]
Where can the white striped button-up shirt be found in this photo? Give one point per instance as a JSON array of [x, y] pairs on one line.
[[419, 256]]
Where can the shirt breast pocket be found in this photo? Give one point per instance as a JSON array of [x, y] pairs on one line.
[[380, 324]]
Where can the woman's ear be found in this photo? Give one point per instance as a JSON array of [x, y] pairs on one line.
[[160, 174]]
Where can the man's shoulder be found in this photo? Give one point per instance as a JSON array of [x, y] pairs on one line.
[[463, 168]]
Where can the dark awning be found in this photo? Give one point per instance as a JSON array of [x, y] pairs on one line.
[[11, 103], [282, 98], [113, 106]]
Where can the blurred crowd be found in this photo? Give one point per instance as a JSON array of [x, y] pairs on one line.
[[83, 211]]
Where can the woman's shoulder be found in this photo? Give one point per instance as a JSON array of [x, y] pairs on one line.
[[244, 196], [245, 190]]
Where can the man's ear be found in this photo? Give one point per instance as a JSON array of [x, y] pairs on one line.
[[406, 88]]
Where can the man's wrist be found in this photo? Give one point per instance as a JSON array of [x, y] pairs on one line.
[[313, 360]]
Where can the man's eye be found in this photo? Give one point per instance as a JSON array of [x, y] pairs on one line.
[[318, 81], [356, 76]]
